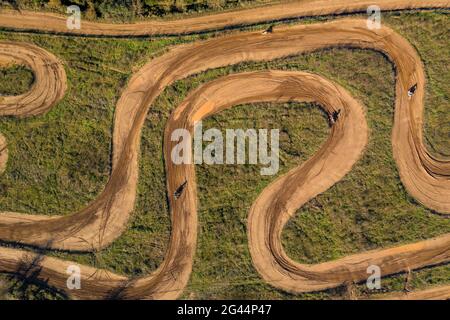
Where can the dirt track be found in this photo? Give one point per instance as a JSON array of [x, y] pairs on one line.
[[28, 20], [425, 177]]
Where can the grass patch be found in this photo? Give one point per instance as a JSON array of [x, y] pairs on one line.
[[16, 79]]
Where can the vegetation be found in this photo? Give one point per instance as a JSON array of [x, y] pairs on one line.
[[133, 9], [60, 161], [16, 79]]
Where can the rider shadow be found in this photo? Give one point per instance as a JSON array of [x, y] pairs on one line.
[[119, 293], [27, 278]]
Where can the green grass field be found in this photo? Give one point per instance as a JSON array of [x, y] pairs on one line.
[[60, 161], [134, 10]]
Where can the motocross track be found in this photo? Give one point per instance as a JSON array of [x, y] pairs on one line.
[[424, 176]]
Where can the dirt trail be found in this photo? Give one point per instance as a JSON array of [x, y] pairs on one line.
[[425, 177], [49, 84], [434, 293], [28, 20]]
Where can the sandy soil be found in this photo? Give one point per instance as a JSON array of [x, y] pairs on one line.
[[425, 177]]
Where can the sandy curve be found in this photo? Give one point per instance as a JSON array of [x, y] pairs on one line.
[[49, 84], [3, 153], [34, 21]]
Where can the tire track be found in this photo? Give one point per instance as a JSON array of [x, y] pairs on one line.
[[54, 23]]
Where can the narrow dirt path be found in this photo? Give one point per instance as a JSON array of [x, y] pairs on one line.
[[53, 23], [425, 177], [434, 293]]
